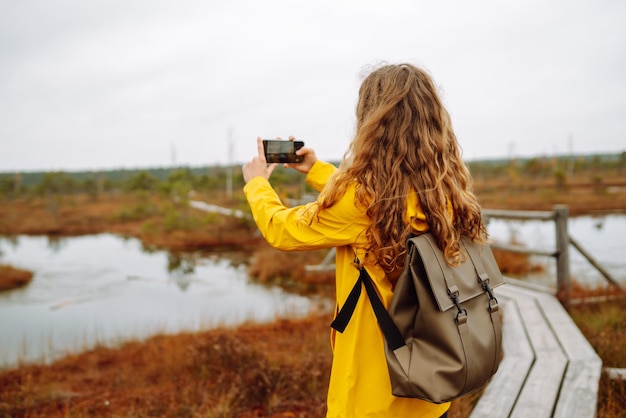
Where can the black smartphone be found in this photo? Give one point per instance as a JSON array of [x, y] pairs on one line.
[[279, 151]]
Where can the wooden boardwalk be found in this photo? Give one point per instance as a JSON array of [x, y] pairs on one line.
[[549, 368]]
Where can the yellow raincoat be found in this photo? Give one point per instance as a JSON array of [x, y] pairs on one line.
[[359, 381]]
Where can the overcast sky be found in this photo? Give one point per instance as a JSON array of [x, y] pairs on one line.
[[104, 84]]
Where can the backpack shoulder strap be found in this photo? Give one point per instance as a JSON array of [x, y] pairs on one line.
[[390, 330], [345, 313], [392, 333]]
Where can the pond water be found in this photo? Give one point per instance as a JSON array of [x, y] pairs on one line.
[[106, 289], [603, 237]]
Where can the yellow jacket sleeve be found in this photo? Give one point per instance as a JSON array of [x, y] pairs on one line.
[[298, 228], [320, 174]]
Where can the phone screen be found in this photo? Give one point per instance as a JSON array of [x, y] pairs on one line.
[[279, 151]]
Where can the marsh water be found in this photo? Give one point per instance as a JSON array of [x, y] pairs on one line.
[[107, 289]]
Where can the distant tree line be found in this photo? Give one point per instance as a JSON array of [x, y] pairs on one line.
[[163, 180], [546, 165], [179, 180]]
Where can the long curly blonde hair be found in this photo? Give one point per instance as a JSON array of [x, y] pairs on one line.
[[404, 142]]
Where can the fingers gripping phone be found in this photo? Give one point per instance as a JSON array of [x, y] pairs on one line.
[[278, 151]]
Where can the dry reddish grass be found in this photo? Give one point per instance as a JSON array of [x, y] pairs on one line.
[[275, 370], [11, 277], [515, 264], [580, 195], [287, 269], [144, 218], [604, 324], [611, 398], [601, 316], [67, 215]]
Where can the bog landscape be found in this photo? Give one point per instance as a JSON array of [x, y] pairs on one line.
[[278, 368]]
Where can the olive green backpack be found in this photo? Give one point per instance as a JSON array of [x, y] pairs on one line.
[[443, 327]]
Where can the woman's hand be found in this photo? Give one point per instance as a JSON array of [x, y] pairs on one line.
[[309, 159], [258, 166]]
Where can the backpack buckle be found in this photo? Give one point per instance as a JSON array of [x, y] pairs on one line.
[[461, 315]]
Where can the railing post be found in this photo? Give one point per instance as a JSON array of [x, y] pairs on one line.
[[563, 282]]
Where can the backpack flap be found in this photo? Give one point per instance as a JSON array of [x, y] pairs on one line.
[[478, 262]]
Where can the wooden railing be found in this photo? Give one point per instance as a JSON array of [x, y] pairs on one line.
[[559, 215]]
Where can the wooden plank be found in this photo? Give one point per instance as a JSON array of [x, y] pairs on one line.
[[520, 289], [528, 285], [518, 214], [327, 264], [320, 267], [572, 339], [541, 389], [523, 250], [614, 373], [501, 393], [579, 391], [567, 350]]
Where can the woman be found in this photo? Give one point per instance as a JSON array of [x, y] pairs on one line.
[[402, 174]]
